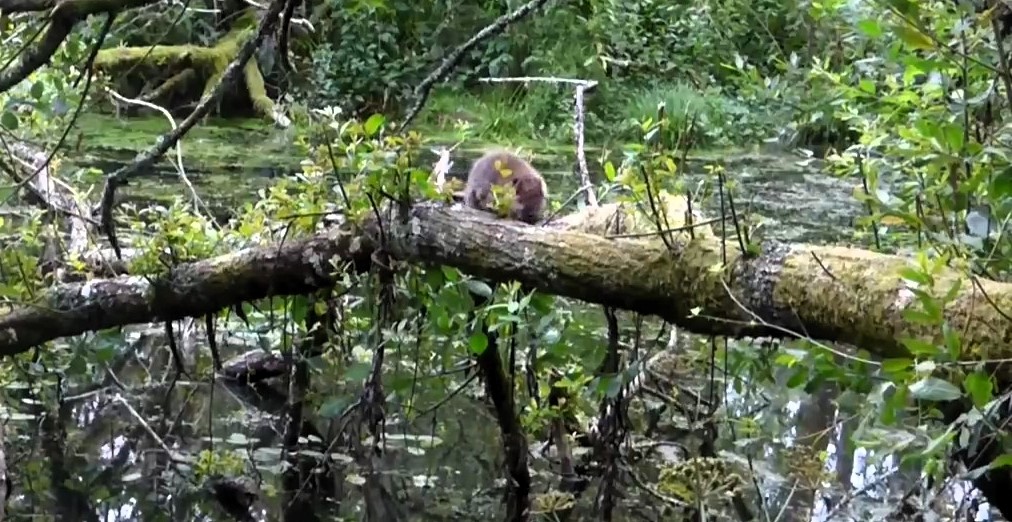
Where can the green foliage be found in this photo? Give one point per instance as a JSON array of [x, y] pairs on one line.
[[504, 114], [717, 119], [694, 40], [931, 160]]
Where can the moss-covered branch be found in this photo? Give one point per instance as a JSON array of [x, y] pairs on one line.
[[186, 62], [831, 293]]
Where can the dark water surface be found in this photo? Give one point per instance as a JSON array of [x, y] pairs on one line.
[[796, 200]]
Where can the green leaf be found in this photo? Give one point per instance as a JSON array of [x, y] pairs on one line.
[[950, 295], [906, 7], [953, 135], [897, 365], [913, 274], [451, 274], [609, 171], [479, 288], [913, 37], [1002, 461], [919, 317], [798, 378], [300, 308], [478, 343], [870, 28], [38, 89], [435, 279], [9, 120], [78, 365], [373, 124], [979, 387], [919, 348], [934, 389], [105, 353], [785, 359], [1001, 185]]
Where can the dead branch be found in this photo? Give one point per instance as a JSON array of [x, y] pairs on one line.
[[498, 26], [62, 20]]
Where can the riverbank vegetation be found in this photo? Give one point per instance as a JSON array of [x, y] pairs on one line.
[[235, 285]]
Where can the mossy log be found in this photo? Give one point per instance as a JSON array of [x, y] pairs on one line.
[[177, 66], [825, 292]]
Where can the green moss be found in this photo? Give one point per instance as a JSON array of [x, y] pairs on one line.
[[211, 62], [255, 86]]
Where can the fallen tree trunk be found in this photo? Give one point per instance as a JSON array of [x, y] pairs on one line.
[[179, 66], [823, 292]]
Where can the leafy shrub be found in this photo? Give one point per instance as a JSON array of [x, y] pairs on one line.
[[720, 120]]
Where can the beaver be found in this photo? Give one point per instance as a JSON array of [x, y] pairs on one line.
[[500, 167]]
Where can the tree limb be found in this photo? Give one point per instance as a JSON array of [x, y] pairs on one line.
[[62, 20], [823, 292], [499, 25]]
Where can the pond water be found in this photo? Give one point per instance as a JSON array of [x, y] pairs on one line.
[[229, 164]]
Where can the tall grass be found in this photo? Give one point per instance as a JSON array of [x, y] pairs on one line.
[[502, 113], [543, 114], [720, 120]]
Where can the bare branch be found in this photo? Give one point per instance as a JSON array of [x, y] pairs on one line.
[[453, 60], [63, 19]]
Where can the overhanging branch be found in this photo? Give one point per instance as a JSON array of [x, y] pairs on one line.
[[831, 293], [62, 20]]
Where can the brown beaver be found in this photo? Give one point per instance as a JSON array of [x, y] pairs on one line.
[[500, 167]]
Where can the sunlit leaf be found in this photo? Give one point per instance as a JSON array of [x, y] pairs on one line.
[[373, 124], [980, 388], [870, 27], [478, 343]]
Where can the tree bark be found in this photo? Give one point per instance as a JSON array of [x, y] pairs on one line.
[[830, 293]]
